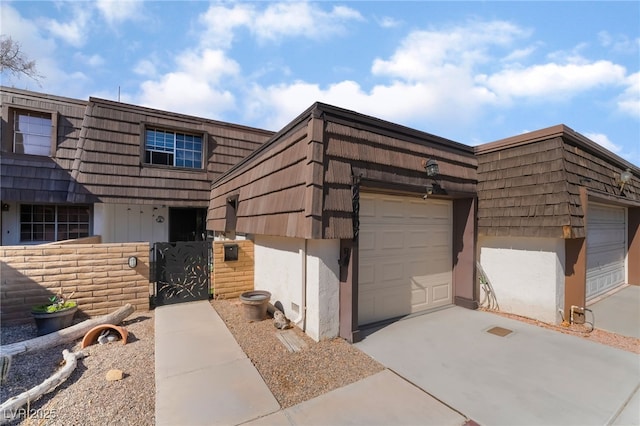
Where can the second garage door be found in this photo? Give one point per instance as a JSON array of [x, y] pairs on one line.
[[405, 256], [606, 247]]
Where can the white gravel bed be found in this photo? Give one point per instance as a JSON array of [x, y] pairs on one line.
[[86, 397]]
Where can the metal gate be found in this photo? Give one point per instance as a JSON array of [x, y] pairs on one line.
[[182, 272]]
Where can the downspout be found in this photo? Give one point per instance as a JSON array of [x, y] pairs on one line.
[[301, 320]]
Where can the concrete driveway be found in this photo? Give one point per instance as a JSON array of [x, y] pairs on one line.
[[531, 376], [619, 312]]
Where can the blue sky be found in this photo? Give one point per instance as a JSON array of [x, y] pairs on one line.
[[473, 72]]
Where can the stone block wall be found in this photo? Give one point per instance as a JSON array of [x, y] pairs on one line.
[[230, 279], [97, 276]]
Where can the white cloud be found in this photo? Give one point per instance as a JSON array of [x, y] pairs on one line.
[[116, 11], [621, 43], [146, 68], [603, 140], [74, 31], [276, 105], [178, 91], [221, 22], [276, 22], [629, 101], [552, 80], [452, 76], [194, 87], [388, 22], [27, 33], [90, 60], [428, 54], [303, 19], [44, 50], [205, 80], [519, 54], [210, 65]]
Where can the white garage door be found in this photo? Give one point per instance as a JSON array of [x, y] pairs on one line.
[[606, 247], [405, 256]]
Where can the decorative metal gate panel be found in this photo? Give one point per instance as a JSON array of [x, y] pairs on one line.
[[182, 271]]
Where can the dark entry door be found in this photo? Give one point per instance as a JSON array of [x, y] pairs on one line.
[[187, 224], [183, 271]]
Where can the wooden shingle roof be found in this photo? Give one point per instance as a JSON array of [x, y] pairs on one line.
[[110, 161], [98, 154], [305, 173], [33, 178], [529, 185]]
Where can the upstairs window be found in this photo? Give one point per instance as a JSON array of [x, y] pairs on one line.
[[43, 223], [173, 149], [31, 132]]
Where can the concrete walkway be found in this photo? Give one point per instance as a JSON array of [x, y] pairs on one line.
[[202, 375], [204, 378]]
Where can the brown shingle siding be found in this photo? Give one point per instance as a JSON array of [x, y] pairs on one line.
[[100, 151], [112, 164], [271, 192], [545, 171], [30, 178], [330, 145]]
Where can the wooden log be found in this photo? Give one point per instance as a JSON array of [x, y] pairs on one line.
[[9, 409], [66, 335]]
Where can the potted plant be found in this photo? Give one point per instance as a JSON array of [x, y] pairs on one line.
[[55, 315]]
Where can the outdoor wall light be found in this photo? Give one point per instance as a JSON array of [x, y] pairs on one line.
[[625, 177], [160, 219], [133, 262], [431, 166], [5, 207]]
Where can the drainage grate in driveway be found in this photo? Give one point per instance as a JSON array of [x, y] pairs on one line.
[[499, 331]]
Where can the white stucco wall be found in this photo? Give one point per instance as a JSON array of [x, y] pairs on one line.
[[323, 284], [115, 223], [122, 223], [284, 265], [278, 269], [527, 274]]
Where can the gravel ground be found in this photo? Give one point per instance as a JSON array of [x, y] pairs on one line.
[[294, 377], [626, 343], [86, 397]]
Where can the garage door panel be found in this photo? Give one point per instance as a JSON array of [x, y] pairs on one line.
[[439, 238], [392, 271], [606, 249], [417, 268], [366, 307], [365, 274], [442, 293], [440, 211], [391, 208], [419, 297], [441, 267], [600, 258], [391, 240], [367, 240], [606, 236], [417, 239], [605, 214], [386, 303], [404, 257]]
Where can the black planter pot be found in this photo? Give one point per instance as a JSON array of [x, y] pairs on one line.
[[49, 322]]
